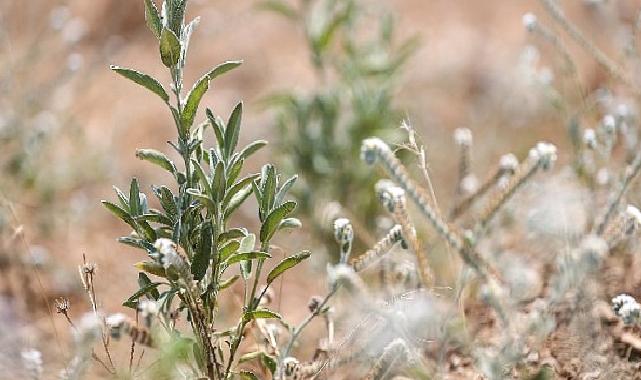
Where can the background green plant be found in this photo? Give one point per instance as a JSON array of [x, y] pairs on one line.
[[357, 70]]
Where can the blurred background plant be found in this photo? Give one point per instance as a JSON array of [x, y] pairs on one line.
[[357, 60]]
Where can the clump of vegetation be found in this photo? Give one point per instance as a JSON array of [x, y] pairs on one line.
[[192, 247], [357, 62]]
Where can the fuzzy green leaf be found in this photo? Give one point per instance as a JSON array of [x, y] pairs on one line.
[[270, 226], [238, 186], [261, 314], [280, 196], [247, 245], [286, 264], [236, 200], [234, 171], [219, 184], [136, 243], [241, 256], [202, 177], [290, 223], [143, 282], [224, 284], [268, 189], [153, 18], [228, 249], [157, 158], [251, 149], [119, 212], [169, 48], [144, 80], [234, 233], [223, 68], [151, 267], [247, 375], [193, 101], [217, 125], [134, 198], [133, 300], [232, 130], [200, 261]]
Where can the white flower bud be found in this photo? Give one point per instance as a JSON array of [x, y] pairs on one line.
[[529, 21], [463, 137], [589, 138]]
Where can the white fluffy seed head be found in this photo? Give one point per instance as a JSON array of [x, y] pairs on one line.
[[32, 361], [633, 216], [148, 310], [343, 231], [589, 138], [609, 124], [544, 154], [463, 137], [389, 194], [630, 312], [168, 253], [620, 300], [529, 21], [508, 163], [89, 330], [469, 184], [371, 147]]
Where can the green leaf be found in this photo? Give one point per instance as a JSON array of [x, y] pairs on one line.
[[290, 223], [234, 233], [200, 261], [286, 264], [151, 267], [153, 18], [217, 125], [167, 201], [169, 48], [269, 227], [247, 375], [269, 362], [134, 198], [268, 188], [247, 245], [224, 284], [193, 101], [238, 186], [261, 314], [223, 68], [233, 172], [143, 282], [202, 177], [120, 213], [204, 199], [280, 197], [241, 256], [227, 250], [132, 301], [157, 158], [136, 243], [219, 184], [232, 130], [124, 202], [144, 80], [237, 200], [154, 216], [251, 149]]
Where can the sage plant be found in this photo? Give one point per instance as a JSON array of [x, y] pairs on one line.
[[190, 245]]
